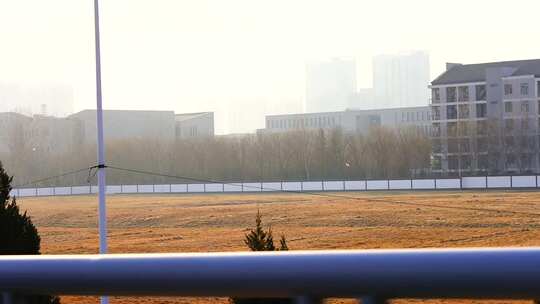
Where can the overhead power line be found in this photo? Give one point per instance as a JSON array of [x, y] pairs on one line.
[[37, 181], [328, 195]]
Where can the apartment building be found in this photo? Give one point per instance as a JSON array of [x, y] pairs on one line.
[[353, 120], [486, 118]]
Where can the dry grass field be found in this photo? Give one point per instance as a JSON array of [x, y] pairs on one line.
[[196, 223]]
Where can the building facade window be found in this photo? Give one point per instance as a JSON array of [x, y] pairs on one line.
[[466, 162], [193, 131], [482, 145], [451, 112], [508, 89], [452, 129], [538, 89], [463, 128], [436, 162], [483, 162], [524, 89], [480, 92], [451, 94], [524, 124], [463, 111], [510, 161], [436, 95], [453, 162], [481, 110], [509, 125], [453, 145], [436, 129], [525, 106], [508, 107], [436, 146], [482, 127], [463, 93]]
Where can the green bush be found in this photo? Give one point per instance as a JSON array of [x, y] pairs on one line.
[[18, 235], [260, 240]]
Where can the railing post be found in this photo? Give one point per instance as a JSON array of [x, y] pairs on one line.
[[372, 300], [307, 300]]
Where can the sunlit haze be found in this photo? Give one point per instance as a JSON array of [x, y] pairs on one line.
[[242, 59]]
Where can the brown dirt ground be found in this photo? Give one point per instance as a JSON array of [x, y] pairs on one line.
[[197, 223]]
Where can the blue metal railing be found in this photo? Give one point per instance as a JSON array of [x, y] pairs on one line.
[[308, 276]]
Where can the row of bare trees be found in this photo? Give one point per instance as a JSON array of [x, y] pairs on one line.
[[296, 155]]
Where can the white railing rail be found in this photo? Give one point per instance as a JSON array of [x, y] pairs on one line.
[[478, 182], [308, 276]]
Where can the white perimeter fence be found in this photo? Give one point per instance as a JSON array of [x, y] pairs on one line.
[[483, 182]]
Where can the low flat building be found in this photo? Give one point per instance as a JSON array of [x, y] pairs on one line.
[[192, 125], [62, 134], [39, 133], [128, 124], [54, 135], [353, 120], [13, 130]]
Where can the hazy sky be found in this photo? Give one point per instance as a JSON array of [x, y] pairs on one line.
[[204, 55]]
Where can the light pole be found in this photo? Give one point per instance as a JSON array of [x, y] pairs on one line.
[[100, 145]]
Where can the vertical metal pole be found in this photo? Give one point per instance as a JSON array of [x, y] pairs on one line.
[[100, 149]]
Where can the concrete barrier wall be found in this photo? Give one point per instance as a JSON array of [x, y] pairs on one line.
[[523, 181], [194, 188], [292, 186], [162, 188], [146, 188], [499, 182], [334, 185], [448, 183], [377, 185], [114, 189], [78, 190], [473, 182], [252, 187], [27, 192], [424, 184], [480, 182], [130, 188], [45, 191], [312, 186], [276, 186], [179, 188], [235, 187], [400, 184], [212, 188], [62, 191], [355, 185]]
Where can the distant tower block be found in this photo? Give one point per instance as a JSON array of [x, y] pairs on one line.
[[43, 109]]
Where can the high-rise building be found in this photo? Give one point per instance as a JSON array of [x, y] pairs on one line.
[[401, 80], [330, 85], [486, 118]]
